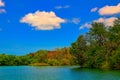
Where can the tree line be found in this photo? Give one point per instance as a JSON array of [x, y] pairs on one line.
[[57, 57], [99, 47]]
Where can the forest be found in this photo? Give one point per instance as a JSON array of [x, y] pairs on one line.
[[57, 57], [98, 48]]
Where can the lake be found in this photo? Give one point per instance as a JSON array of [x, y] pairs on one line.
[[55, 73]]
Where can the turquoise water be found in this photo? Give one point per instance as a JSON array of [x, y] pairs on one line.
[[55, 73]]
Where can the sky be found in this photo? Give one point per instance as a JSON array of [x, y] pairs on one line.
[[30, 25]]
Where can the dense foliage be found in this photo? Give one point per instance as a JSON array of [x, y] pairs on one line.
[[57, 57], [100, 47]]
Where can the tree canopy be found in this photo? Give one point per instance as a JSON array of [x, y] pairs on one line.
[[100, 47]]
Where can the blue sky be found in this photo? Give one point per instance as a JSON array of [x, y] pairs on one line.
[[30, 25]]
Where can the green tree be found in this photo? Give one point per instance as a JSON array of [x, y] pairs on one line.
[[41, 55], [78, 49]]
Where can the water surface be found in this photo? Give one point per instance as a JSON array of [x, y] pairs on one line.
[[55, 73]]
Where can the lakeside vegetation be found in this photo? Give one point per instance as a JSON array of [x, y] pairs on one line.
[[98, 48], [58, 57]]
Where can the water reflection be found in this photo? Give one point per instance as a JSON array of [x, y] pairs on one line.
[[56, 73], [95, 74]]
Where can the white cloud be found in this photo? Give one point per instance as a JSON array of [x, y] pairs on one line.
[[43, 20], [58, 7], [109, 10], [2, 4], [73, 20], [107, 21], [76, 20], [62, 7], [94, 9], [2, 11], [86, 25]]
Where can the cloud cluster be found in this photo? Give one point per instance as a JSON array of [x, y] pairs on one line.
[[106, 10], [110, 10], [106, 21], [62, 7], [43, 20]]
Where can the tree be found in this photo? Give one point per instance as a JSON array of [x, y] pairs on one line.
[[41, 55], [78, 49], [98, 33], [114, 47]]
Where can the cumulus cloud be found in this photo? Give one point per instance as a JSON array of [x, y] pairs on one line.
[[2, 11], [43, 20], [2, 4], [109, 10], [94, 9], [62, 7], [106, 21]]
